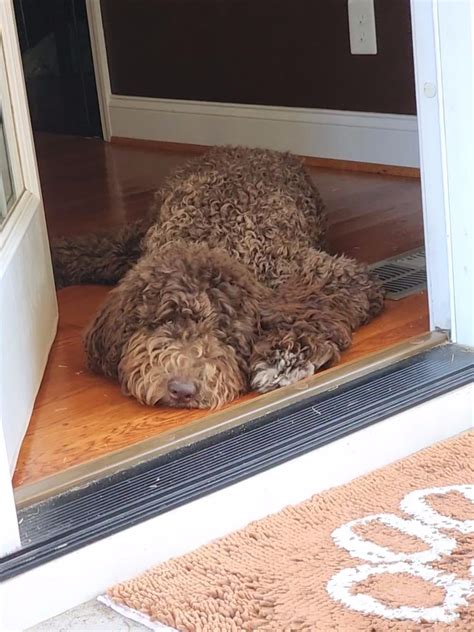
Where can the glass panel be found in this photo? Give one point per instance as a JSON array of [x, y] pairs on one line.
[[11, 177], [7, 191]]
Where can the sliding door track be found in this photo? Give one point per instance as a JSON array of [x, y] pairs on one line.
[[64, 522]]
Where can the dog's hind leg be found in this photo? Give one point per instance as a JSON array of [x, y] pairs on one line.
[[311, 319], [101, 258]]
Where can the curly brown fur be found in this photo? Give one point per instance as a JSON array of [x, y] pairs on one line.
[[102, 258], [260, 206], [311, 318], [179, 313], [229, 288]]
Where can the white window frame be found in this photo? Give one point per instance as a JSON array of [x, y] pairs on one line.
[[13, 155]]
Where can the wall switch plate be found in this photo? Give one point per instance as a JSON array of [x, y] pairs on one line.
[[362, 27]]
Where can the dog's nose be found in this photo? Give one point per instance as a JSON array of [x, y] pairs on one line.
[[182, 390]]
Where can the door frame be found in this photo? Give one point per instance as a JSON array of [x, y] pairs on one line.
[[443, 42], [25, 228]]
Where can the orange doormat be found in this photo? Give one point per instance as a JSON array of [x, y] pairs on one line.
[[388, 551]]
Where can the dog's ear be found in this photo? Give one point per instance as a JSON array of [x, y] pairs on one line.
[[235, 298], [112, 327], [193, 282], [239, 318], [133, 304]]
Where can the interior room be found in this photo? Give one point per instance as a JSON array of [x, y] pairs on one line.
[[121, 96]]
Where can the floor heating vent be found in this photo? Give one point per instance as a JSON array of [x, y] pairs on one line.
[[402, 275]]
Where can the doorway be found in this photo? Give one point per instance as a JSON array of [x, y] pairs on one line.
[[57, 63], [375, 214]]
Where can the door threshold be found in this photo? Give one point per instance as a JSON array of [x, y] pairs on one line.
[[66, 522], [222, 421]]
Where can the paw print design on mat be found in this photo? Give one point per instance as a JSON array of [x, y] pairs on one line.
[[436, 530]]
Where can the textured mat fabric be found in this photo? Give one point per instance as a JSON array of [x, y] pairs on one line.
[[389, 551]]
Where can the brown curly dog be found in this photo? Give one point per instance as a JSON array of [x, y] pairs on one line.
[[224, 288]]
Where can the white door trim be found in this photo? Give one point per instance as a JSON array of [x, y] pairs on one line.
[[19, 101], [9, 528], [444, 68], [13, 154], [101, 67], [27, 292], [93, 568]]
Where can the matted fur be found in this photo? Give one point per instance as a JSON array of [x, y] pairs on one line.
[[227, 285]]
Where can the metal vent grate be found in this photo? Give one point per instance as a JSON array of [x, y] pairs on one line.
[[402, 275]]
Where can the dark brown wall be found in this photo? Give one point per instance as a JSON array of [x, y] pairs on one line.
[[268, 52]]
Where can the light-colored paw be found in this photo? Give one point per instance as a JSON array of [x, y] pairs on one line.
[[284, 368], [281, 370]]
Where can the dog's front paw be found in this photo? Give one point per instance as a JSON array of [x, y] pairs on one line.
[[282, 367]]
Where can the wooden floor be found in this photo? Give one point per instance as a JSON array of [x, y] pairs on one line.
[[87, 185]]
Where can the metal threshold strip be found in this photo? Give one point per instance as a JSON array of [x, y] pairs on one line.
[[221, 421], [210, 460]]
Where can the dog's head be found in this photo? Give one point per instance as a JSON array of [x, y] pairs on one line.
[[183, 365], [179, 329]]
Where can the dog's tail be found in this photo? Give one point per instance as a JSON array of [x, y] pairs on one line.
[[101, 258]]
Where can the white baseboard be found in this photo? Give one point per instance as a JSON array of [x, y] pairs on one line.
[[388, 139], [82, 575]]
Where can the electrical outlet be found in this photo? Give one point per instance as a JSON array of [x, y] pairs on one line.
[[362, 27]]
